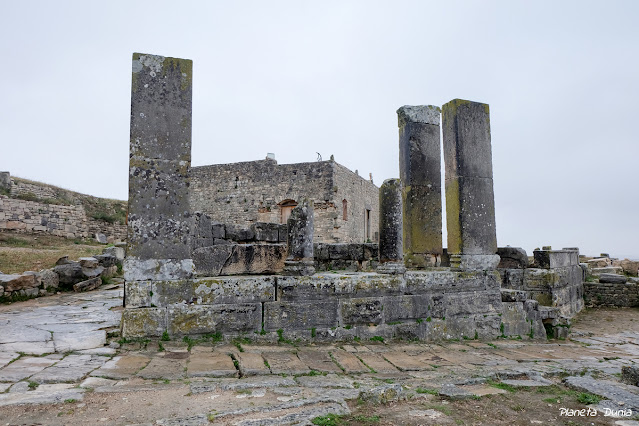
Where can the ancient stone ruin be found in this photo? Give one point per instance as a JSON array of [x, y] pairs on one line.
[[188, 274]]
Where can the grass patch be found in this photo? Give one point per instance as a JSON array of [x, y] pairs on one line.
[[327, 420], [427, 391], [588, 398], [377, 339], [502, 386], [281, 339], [165, 336], [33, 252]]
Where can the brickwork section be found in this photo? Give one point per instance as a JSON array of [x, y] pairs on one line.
[[249, 192], [611, 294]]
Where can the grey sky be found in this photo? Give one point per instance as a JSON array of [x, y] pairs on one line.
[[296, 78]]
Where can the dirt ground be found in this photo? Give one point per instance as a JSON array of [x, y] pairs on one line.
[[524, 406], [23, 252]]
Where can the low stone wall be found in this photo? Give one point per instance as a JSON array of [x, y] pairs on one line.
[[113, 231], [555, 281], [31, 216], [429, 305], [611, 294]]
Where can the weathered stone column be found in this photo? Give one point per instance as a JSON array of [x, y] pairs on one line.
[[391, 250], [299, 260], [470, 204], [420, 174], [159, 165]]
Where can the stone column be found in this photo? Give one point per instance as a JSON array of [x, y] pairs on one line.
[[420, 174], [470, 204], [159, 166], [299, 259], [391, 250]]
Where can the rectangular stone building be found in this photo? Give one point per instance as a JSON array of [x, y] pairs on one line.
[[346, 205]]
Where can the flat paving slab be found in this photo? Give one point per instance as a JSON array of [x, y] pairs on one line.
[[70, 369], [285, 363], [211, 364], [251, 364], [26, 367], [122, 367], [164, 368]]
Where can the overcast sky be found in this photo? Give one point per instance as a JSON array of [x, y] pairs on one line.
[[300, 77]]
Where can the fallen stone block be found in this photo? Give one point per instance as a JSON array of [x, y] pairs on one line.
[[49, 279], [618, 270], [630, 267], [612, 279], [18, 282], [600, 262], [117, 252], [512, 258], [88, 285]]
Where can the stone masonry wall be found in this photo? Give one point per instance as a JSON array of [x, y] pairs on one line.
[[249, 192], [611, 294], [31, 216], [20, 187], [429, 305], [361, 195], [53, 210]]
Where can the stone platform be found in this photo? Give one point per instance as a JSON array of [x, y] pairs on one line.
[[431, 305]]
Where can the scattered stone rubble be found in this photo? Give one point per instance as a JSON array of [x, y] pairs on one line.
[[84, 274]]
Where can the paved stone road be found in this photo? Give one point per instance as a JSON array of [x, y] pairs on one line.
[[54, 350]]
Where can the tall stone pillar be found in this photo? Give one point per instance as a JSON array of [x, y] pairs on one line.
[[470, 204], [159, 166], [391, 250], [420, 174], [300, 258]]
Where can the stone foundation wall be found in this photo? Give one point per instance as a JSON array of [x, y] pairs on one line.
[[31, 216], [427, 305], [249, 192], [611, 294]]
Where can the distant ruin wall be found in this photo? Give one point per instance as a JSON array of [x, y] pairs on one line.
[[611, 294], [31, 216], [34, 207], [19, 187], [249, 192]]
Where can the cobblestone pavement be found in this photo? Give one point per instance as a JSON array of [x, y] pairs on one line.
[[56, 350]]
